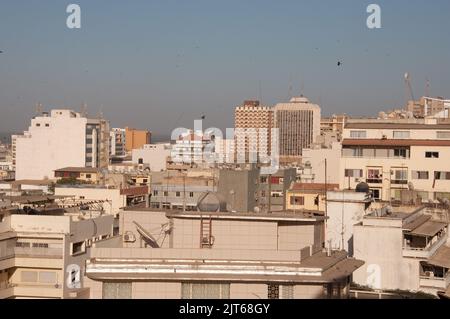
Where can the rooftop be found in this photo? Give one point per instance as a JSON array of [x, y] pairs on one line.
[[78, 170]]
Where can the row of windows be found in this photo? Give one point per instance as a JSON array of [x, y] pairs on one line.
[[398, 134], [376, 175], [166, 194], [39, 125]]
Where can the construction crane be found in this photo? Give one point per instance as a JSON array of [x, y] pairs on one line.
[[409, 87]]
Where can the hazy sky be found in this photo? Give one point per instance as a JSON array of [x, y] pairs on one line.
[[160, 64]]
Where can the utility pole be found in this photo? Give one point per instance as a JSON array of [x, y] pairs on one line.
[[326, 188]]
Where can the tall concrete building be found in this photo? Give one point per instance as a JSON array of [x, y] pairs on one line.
[[299, 125], [61, 138], [135, 139], [117, 143], [250, 118]]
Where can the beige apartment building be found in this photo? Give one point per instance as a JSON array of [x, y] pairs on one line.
[[201, 255], [299, 126], [404, 249], [43, 250], [427, 106], [136, 139], [250, 118], [394, 156]]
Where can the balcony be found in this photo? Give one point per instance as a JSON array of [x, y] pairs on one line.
[[374, 180], [399, 182], [426, 252], [429, 281]]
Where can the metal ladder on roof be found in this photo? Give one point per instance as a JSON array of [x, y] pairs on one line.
[[206, 238]]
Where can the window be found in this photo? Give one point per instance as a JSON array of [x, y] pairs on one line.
[[29, 276], [117, 290], [47, 277], [263, 180], [357, 152], [400, 152], [443, 135], [376, 193], [38, 124], [205, 291], [298, 200], [23, 245], [47, 125], [155, 193], [432, 154], [357, 173], [88, 176], [400, 176], [420, 175], [40, 245], [141, 161], [177, 194], [442, 176], [166, 193], [358, 134], [78, 248], [374, 176], [401, 134], [191, 194]]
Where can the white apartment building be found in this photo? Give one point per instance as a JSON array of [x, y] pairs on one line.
[[391, 156], [117, 142], [60, 139], [152, 156], [43, 254], [404, 250], [299, 126], [193, 148]]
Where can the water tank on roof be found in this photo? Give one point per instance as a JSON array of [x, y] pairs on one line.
[[362, 188]]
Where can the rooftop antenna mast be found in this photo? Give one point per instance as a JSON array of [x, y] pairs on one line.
[[39, 108], [84, 110], [427, 88], [100, 113]]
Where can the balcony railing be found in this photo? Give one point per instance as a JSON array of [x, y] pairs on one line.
[[374, 180], [435, 282], [425, 252], [399, 182]]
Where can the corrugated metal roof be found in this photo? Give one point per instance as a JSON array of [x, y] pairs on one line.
[[416, 222], [428, 229]]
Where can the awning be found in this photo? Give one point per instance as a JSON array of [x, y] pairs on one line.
[[416, 222], [428, 229]]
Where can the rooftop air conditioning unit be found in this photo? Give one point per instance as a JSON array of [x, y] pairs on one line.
[[129, 237]]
